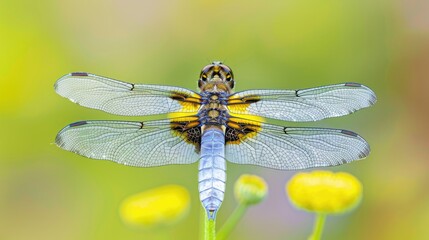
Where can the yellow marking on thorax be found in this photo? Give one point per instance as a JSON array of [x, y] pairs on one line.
[[216, 87], [214, 105], [213, 113]]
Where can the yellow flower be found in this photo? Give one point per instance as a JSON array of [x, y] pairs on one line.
[[324, 191], [156, 207], [250, 189]]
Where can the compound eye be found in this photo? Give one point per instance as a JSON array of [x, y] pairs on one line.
[[204, 77], [228, 77]]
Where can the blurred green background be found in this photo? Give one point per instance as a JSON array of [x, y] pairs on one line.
[[48, 193]]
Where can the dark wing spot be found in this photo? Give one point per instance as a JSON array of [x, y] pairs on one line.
[[350, 133], [284, 130], [76, 124], [231, 135], [79, 74], [59, 140], [296, 93], [190, 135], [132, 86], [351, 84], [141, 125], [250, 99], [363, 154], [236, 135], [178, 96]]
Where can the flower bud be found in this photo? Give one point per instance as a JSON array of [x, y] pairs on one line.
[[324, 191], [156, 207], [250, 189]]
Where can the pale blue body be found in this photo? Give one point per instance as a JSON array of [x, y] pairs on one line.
[[212, 176]]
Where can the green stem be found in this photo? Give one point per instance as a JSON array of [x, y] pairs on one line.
[[231, 222], [318, 226], [210, 229]]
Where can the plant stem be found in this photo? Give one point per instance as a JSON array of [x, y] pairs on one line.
[[319, 222], [231, 222], [210, 228]]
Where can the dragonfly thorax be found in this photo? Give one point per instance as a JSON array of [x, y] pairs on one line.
[[213, 111]]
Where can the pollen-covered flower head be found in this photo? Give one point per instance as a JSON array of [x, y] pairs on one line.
[[250, 189], [156, 207], [324, 191]]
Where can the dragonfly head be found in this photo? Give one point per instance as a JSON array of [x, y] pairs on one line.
[[216, 75]]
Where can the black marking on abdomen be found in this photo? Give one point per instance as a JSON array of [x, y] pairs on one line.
[[350, 133], [79, 74], [76, 124]]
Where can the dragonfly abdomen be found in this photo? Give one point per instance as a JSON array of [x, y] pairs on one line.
[[212, 177]]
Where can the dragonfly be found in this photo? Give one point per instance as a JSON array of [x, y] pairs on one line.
[[212, 126]]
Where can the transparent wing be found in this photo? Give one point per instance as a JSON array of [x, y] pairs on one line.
[[310, 104], [123, 98], [140, 144], [296, 148]]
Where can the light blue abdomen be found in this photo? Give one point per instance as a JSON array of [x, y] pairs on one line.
[[212, 177]]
